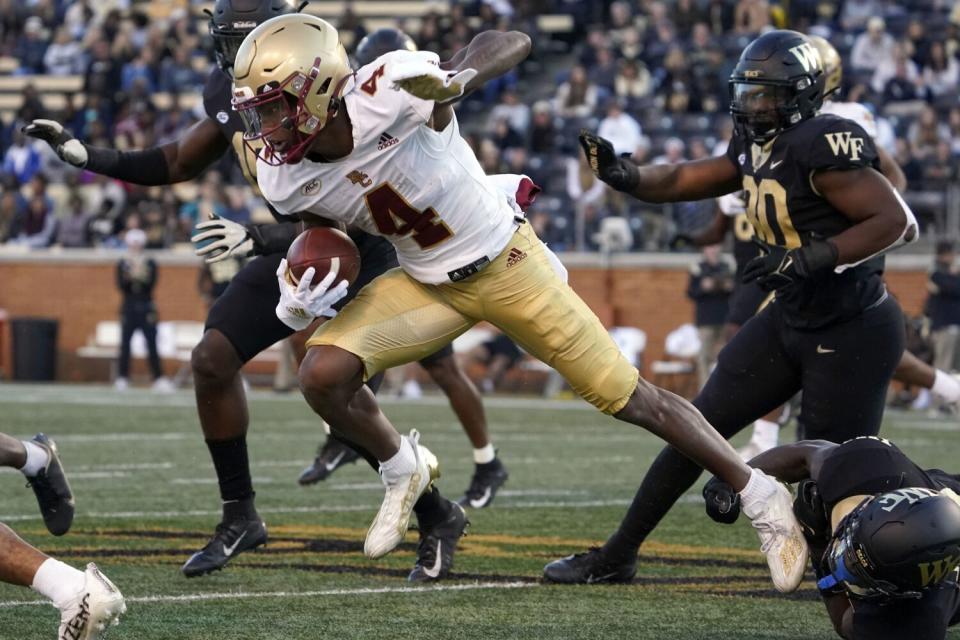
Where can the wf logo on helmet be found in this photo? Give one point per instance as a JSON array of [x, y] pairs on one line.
[[807, 55]]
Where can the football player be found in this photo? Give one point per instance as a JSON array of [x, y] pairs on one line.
[[88, 602], [489, 472], [884, 534], [823, 216], [911, 370], [381, 149], [242, 322]]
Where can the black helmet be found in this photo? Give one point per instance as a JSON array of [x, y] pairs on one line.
[[895, 545], [232, 20], [380, 42], [777, 83]]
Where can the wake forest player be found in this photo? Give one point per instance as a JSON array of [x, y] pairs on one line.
[[824, 216], [465, 251], [242, 323], [747, 298], [884, 534]]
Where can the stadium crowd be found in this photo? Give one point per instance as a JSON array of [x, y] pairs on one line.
[[650, 75]]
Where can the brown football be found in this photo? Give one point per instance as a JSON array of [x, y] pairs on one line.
[[320, 247]]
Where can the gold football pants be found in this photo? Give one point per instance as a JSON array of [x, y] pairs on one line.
[[395, 320]]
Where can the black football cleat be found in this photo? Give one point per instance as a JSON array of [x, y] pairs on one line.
[[229, 540], [487, 479], [590, 567], [52, 489], [437, 546], [332, 455]]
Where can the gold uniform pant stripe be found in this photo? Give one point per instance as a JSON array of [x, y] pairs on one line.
[[395, 320]]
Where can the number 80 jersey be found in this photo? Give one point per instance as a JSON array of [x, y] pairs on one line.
[[423, 190], [786, 210]]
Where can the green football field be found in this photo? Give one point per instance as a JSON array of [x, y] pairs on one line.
[[147, 498]]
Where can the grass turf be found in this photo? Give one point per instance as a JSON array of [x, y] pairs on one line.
[[147, 498]]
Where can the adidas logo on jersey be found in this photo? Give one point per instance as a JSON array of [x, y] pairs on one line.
[[386, 140], [515, 256]]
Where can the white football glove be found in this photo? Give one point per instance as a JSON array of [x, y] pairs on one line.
[[227, 237], [68, 148], [299, 305], [732, 204], [427, 81]]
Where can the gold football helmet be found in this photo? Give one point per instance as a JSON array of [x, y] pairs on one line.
[[288, 74], [832, 64]]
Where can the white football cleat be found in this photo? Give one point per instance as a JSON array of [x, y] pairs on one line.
[[96, 607], [781, 539], [390, 525], [163, 385]]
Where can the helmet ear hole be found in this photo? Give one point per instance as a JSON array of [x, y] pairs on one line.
[[325, 86]]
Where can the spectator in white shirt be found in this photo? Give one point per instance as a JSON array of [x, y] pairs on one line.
[[941, 73], [620, 128], [516, 113], [873, 47]]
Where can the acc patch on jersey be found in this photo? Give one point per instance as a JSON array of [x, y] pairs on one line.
[[310, 188], [223, 117]]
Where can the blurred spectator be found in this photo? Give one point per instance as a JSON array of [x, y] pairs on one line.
[[136, 279], [36, 226], [856, 13], [620, 128], [78, 17], [673, 150], [22, 159], [140, 68], [873, 48], [543, 134], [632, 81], [513, 110], [64, 56], [103, 72], [711, 283], [504, 136], [74, 228], [11, 204], [685, 15], [751, 16], [912, 168], [583, 187], [916, 42], [940, 169], [943, 307], [719, 16], [941, 73], [577, 97], [953, 123], [604, 70], [31, 46], [177, 73], [925, 132], [158, 227], [897, 78]]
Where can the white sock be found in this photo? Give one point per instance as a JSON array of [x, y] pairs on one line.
[[766, 433], [758, 490], [403, 463], [946, 386], [58, 581], [484, 455], [37, 458]]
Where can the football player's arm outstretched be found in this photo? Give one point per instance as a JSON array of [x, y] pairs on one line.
[[177, 161], [685, 181], [490, 54]]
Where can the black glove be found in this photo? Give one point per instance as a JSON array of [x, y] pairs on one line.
[[776, 267], [811, 513], [682, 241], [723, 503], [619, 173], [68, 148]]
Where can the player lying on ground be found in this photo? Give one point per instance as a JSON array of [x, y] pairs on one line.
[[242, 323], [87, 600], [824, 216], [884, 534], [466, 254]]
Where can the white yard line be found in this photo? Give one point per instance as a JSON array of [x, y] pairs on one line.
[[199, 597]]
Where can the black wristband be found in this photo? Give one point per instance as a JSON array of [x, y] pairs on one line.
[[147, 167], [272, 238], [817, 256]]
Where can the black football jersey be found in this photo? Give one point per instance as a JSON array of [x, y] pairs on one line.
[[744, 249], [785, 210], [217, 93]]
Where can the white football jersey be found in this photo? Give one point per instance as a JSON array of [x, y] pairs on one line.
[[423, 190], [852, 111]]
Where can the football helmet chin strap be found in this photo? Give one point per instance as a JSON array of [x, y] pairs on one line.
[[910, 234]]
